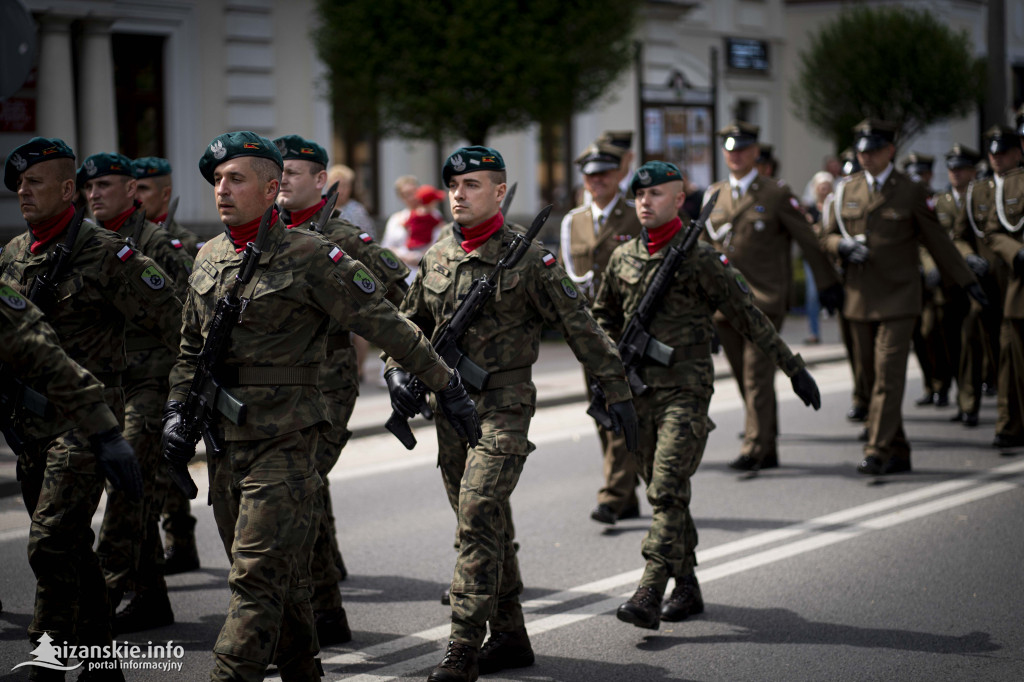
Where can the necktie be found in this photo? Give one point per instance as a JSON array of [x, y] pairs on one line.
[[737, 192], [876, 187]]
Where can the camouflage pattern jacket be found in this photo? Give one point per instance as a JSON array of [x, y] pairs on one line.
[[188, 240], [303, 282], [704, 283], [30, 349], [106, 286], [506, 336]]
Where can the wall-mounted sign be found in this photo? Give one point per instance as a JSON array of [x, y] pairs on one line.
[[746, 54]]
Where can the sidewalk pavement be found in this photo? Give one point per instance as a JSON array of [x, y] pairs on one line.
[[557, 375]]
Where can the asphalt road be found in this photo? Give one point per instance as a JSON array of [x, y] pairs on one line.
[[809, 572]]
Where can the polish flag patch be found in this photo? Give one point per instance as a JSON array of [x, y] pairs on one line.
[[176, 243], [125, 253], [366, 238], [335, 254], [548, 259], [721, 257], [930, 201]]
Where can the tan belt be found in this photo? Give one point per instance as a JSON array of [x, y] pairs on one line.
[[270, 376], [509, 377]]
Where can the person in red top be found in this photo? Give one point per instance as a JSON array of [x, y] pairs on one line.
[[423, 220]]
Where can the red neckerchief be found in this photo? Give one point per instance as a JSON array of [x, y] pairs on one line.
[[116, 223], [421, 229], [299, 217], [478, 234], [161, 218], [44, 231], [243, 234], [662, 235]]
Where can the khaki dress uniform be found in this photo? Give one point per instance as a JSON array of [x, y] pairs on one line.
[[755, 232], [1003, 235], [883, 295], [585, 256]]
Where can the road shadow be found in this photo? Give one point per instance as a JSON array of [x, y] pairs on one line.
[[782, 626], [376, 589]]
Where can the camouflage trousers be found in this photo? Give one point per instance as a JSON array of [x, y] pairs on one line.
[[129, 548], [327, 561], [479, 482], [674, 427], [176, 518], [267, 504], [61, 486]]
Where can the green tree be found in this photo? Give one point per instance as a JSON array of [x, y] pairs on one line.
[[893, 63], [458, 69]]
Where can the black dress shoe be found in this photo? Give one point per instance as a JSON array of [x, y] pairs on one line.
[[685, 601], [863, 435], [603, 513], [146, 610], [941, 399], [631, 512], [897, 465], [181, 559], [970, 419], [642, 610], [926, 399], [505, 650], [748, 463], [1002, 441], [857, 414], [458, 665], [872, 466], [332, 626]]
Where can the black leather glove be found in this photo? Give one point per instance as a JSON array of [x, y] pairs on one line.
[[832, 298], [977, 264], [460, 410], [624, 421], [852, 251], [118, 463], [805, 387], [975, 291], [1018, 264], [402, 400], [177, 449], [932, 279]]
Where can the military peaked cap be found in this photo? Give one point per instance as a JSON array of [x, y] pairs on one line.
[[233, 145], [917, 163], [623, 139], [738, 135], [961, 157], [1001, 139], [599, 157], [36, 150], [872, 133]]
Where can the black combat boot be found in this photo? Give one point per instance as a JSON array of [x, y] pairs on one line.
[[458, 665], [506, 650], [642, 610], [684, 601], [146, 610], [332, 626], [180, 555]]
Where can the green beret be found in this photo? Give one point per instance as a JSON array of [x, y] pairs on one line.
[[655, 173], [32, 152], [295, 147], [151, 167], [471, 159], [105, 163], [231, 146]]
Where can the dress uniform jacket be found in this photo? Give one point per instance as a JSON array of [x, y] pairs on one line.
[[756, 232], [1003, 235], [891, 224], [586, 252]]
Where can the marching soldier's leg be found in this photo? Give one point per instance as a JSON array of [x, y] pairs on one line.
[[861, 395], [266, 503], [1010, 421], [969, 374], [886, 439], [180, 552], [762, 422], [862, 338]]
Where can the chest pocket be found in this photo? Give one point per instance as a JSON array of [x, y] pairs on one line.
[[631, 271], [852, 212], [272, 282], [436, 283], [1013, 211], [509, 281], [201, 281], [69, 287]]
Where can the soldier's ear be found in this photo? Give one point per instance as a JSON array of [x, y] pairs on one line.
[[67, 191]]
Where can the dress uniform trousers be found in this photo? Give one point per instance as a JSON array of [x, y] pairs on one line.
[[1010, 402], [882, 347], [755, 375], [620, 474]]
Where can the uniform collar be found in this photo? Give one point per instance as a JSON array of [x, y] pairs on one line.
[[606, 211], [882, 177], [745, 182]]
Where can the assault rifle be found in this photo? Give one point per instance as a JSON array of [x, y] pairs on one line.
[[172, 209], [43, 293], [325, 214], [448, 336], [509, 196], [206, 395], [134, 231], [636, 343]]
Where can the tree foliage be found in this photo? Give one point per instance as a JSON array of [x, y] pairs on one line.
[[893, 63], [458, 69]]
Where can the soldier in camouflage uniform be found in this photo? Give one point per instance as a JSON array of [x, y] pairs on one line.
[[106, 286], [504, 340], [303, 181], [129, 547], [674, 422], [265, 489], [153, 189]]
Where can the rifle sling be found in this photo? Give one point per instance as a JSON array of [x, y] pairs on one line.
[[307, 375]]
